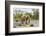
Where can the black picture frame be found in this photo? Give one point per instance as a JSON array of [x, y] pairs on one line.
[[7, 20]]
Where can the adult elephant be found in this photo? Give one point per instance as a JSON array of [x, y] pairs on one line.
[[25, 18]]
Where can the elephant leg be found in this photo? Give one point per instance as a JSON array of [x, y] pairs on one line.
[[22, 22], [26, 22]]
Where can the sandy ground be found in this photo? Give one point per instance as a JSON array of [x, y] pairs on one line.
[[34, 22]]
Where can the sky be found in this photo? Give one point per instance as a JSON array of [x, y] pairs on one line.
[[24, 9]]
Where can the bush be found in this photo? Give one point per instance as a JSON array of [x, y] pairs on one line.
[[31, 25]]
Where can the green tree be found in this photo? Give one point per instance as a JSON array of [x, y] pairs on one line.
[[36, 13]]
